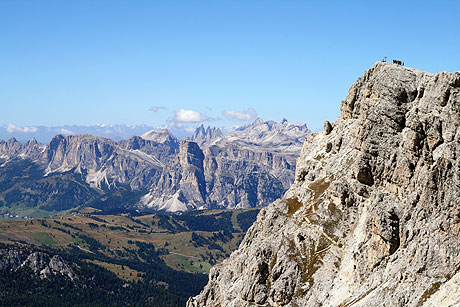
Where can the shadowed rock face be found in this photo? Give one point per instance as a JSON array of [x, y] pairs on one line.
[[373, 216]]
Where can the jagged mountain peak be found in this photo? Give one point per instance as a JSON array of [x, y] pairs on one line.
[[258, 121], [12, 140], [32, 142], [203, 136], [369, 219]]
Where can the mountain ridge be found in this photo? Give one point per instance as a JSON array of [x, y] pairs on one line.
[[371, 219], [228, 176]]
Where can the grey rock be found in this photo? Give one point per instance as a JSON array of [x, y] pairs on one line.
[[57, 265], [36, 262], [374, 221], [104, 163], [182, 185], [161, 136], [13, 148], [40, 263]]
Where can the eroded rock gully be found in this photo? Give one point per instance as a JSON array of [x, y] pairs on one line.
[[373, 218]]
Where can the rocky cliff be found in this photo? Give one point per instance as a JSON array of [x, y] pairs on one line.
[[373, 217]]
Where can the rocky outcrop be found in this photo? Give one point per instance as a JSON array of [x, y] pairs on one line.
[[57, 265], [42, 264], [283, 138], [372, 218], [205, 136], [253, 165], [11, 259], [242, 178]]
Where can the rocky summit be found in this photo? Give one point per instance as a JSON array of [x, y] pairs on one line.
[[373, 217]]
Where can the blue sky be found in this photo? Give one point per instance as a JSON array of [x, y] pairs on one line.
[[220, 63]]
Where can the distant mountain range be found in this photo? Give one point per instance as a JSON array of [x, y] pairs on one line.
[[44, 134], [251, 166]]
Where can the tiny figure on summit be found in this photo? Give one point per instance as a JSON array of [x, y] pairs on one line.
[[398, 62]]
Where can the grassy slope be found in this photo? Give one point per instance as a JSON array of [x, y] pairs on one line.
[[115, 234]]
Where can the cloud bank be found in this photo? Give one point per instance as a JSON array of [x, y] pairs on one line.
[[241, 116], [12, 129]]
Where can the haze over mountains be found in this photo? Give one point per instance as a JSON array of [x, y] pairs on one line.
[[251, 166], [43, 134]]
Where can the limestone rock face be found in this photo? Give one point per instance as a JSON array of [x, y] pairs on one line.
[[243, 178], [373, 218], [253, 165], [105, 163], [57, 265]]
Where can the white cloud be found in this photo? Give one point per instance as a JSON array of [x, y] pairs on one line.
[[12, 129], [156, 108], [243, 116], [66, 132], [189, 116]]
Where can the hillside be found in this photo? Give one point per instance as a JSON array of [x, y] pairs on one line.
[[159, 256]]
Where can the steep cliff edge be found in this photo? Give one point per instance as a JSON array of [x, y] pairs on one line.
[[373, 217]]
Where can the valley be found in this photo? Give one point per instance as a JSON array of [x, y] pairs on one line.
[[156, 251]]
